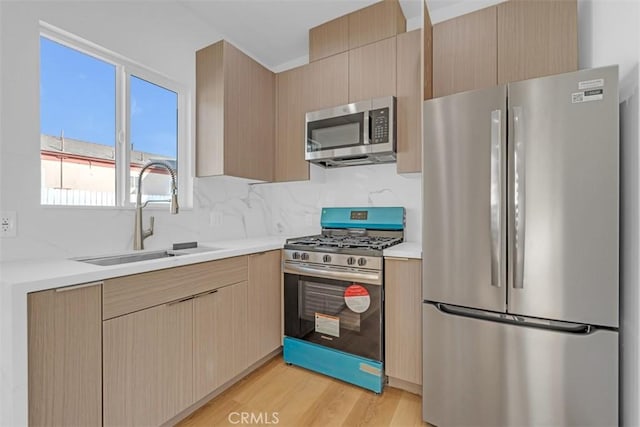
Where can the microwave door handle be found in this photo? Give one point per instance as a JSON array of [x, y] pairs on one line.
[[366, 128]]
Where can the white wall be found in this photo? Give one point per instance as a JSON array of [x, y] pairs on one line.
[[160, 35], [609, 33]]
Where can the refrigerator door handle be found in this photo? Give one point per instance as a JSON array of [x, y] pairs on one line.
[[496, 197], [554, 325], [519, 198]]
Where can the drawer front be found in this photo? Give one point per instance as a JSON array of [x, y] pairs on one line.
[[127, 294]]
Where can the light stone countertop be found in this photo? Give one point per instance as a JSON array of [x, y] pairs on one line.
[[17, 278], [405, 250]]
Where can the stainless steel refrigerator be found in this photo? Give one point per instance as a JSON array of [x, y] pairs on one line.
[[520, 253]]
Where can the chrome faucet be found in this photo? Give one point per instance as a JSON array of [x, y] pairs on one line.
[[139, 233]]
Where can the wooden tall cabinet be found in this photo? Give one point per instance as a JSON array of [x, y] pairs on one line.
[[235, 129], [65, 356], [329, 38], [536, 38], [372, 70], [220, 337], [465, 53], [403, 321], [265, 299], [148, 365], [409, 102]]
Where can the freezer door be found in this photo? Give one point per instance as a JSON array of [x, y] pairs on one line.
[[464, 241], [484, 373], [564, 197]]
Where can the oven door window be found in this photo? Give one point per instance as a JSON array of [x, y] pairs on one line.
[[331, 314], [335, 132]]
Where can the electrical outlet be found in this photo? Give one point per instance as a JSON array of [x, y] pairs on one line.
[[215, 218], [8, 224]]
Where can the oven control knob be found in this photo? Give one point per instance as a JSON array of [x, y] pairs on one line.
[[351, 260], [295, 255], [304, 256], [326, 258], [362, 261]]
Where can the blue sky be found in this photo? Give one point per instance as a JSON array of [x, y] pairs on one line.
[[78, 96]]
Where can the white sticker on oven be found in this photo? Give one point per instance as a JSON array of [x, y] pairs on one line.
[[357, 298], [329, 325]]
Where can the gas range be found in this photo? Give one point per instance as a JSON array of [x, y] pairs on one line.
[[334, 294], [351, 237]]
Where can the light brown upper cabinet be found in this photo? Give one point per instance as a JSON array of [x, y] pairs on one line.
[[235, 129], [515, 40], [536, 38], [409, 102], [329, 38], [372, 70], [327, 82], [465, 53], [290, 163], [320, 84], [427, 30], [377, 22], [65, 356]]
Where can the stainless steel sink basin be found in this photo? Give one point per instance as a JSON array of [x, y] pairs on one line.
[[144, 256], [124, 259]]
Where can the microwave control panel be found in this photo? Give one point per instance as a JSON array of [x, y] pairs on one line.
[[379, 125]]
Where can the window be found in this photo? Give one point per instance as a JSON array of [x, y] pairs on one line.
[[102, 118]]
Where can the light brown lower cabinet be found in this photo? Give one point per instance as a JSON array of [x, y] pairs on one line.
[[220, 337], [65, 356], [148, 365], [403, 320], [264, 303]]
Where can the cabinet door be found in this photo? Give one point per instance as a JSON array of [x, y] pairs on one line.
[[403, 319], [65, 356], [148, 365], [265, 302], [290, 162], [329, 38], [536, 38], [372, 70], [220, 337], [409, 103], [373, 23], [249, 117], [465, 53], [326, 83]]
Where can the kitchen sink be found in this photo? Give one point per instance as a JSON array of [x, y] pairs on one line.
[[144, 256]]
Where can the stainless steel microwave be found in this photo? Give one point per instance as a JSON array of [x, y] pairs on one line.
[[354, 134]]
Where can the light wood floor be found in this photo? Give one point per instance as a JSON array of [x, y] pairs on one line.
[[303, 398]]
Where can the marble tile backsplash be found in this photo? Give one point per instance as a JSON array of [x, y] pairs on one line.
[[224, 208]]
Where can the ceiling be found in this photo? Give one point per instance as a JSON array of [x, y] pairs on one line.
[[275, 32]]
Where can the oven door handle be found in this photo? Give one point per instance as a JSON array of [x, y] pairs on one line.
[[369, 277]]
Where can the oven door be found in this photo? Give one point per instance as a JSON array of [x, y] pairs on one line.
[[345, 315]]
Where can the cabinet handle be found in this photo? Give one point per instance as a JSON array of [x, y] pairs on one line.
[[73, 288], [178, 301], [206, 293]]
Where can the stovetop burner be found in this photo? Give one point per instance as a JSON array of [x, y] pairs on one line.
[[321, 241]]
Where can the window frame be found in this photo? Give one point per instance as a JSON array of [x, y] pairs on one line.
[[125, 69]]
